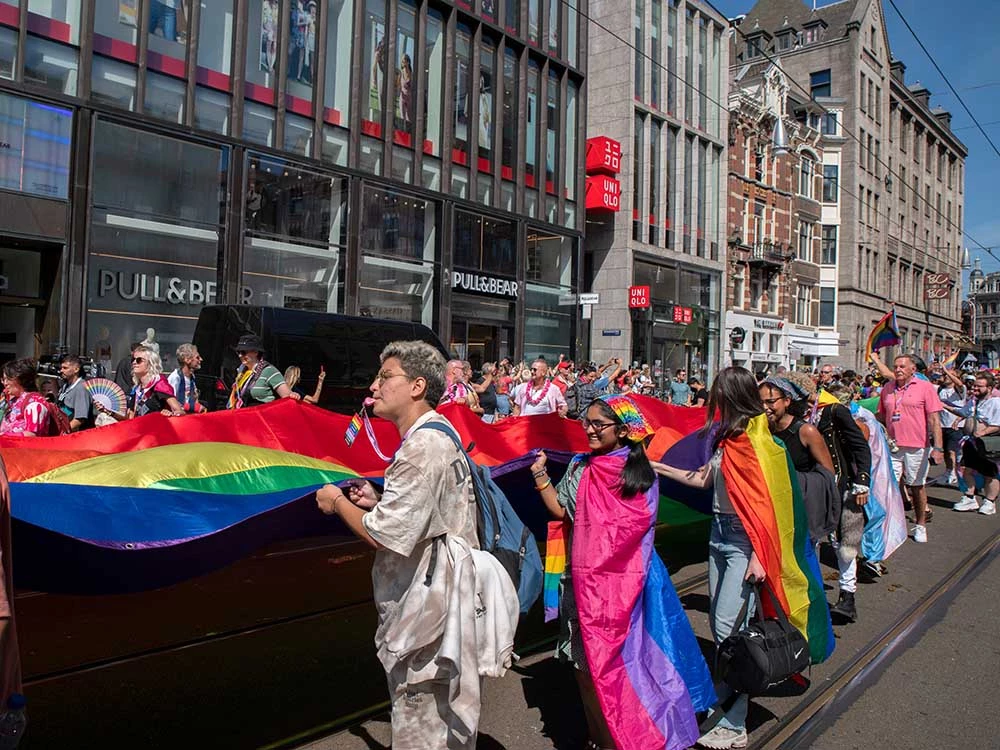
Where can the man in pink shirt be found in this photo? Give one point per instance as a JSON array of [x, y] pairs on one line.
[[910, 410]]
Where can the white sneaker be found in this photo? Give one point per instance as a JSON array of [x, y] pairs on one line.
[[988, 508], [953, 480], [968, 502], [724, 738], [920, 534]]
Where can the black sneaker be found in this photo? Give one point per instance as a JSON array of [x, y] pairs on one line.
[[844, 608]]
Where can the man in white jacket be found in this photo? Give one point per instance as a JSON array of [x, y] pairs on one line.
[[428, 494]]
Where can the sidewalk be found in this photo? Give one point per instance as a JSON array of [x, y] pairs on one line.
[[536, 705]]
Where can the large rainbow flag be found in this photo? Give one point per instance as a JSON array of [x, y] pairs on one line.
[[765, 493], [643, 657], [885, 333]]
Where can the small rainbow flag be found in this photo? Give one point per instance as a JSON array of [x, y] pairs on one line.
[[949, 361], [555, 566], [885, 333], [352, 430]]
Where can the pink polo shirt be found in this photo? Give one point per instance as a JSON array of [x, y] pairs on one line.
[[904, 412]]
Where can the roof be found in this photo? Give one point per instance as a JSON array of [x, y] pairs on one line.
[[770, 15]]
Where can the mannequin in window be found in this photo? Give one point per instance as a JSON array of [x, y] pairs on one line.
[[150, 341]]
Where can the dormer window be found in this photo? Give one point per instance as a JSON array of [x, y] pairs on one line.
[[787, 38]]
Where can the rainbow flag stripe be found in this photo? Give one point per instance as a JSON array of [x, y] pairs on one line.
[[885, 333], [555, 566], [765, 492]]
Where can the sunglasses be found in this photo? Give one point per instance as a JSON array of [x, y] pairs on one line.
[[137, 360]]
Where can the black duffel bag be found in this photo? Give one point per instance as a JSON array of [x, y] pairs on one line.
[[765, 653]]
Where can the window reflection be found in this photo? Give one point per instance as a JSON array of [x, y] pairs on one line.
[[165, 98], [484, 243], [51, 65], [531, 154], [215, 60], [552, 131], [434, 82], [113, 83], [61, 20], [211, 110], [463, 83], [264, 24], [487, 82], [510, 108], [8, 53], [339, 33], [374, 62], [406, 32]]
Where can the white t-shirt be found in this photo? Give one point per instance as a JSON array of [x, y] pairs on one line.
[[988, 412], [950, 398], [549, 399]]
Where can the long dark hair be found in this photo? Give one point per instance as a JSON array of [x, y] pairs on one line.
[[637, 474], [735, 397]]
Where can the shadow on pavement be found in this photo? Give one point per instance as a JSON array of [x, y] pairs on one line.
[[695, 602], [363, 734], [550, 687]]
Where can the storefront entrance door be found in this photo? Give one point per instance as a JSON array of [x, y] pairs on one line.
[[480, 343], [26, 280]]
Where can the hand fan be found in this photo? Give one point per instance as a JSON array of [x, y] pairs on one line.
[[107, 393]]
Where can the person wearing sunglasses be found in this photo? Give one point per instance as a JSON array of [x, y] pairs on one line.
[[257, 380], [538, 395], [607, 500], [151, 391]]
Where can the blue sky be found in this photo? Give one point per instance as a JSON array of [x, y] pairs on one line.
[[964, 38]]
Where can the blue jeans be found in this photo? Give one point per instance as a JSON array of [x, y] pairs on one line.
[[503, 404], [729, 553]]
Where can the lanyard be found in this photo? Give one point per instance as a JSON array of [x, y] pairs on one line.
[[899, 395]]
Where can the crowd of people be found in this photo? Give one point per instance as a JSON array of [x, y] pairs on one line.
[[923, 415], [33, 405]]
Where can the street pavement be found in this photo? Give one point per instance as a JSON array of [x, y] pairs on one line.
[[934, 693]]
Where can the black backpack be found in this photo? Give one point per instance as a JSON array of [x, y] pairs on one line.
[[578, 398]]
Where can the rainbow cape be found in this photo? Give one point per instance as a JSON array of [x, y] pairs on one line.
[[647, 668], [885, 333], [885, 519], [765, 493]]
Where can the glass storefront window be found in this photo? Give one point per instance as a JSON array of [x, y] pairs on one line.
[[164, 97], [258, 123], [373, 64], [533, 21], [264, 26], [548, 326], [550, 258], [398, 244], [8, 53], [552, 132], [487, 85], [460, 182], [154, 244], [512, 15], [553, 26], [113, 83], [508, 155], [371, 155], [53, 66], [215, 60], [463, 85], [211, 110], [168, 34], [337, 84], [37, 154], [334, 148], [571, 128], [530, 151], [296, 224], [298, 135], [434, 82], [61, 20], [406, 87], [116, 29], [300, 73], [483, 243], [431, 170], [402, 164]]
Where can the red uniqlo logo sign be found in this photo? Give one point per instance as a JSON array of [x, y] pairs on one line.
[[688, 315], [604, 155], [683, 314], [603, 194], [638, 296]]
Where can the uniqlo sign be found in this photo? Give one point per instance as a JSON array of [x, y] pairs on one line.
[[683, 314], [604, 156], [603, 194], [638, 296]]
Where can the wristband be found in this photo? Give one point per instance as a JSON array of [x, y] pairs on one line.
[[548, 483], [859, 489], [541, 473]]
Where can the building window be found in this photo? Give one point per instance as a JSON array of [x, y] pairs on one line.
[[550, 275], [830, 123], [50, 65], [113, 83], [512, 16], [655, 131], [434, 81], [510, 108], [485, 244], [639, 57], [116, 34], [830, 178], [337, 77], [572, 22], [671, 55], [820, 83], [803, 304], [374, 66], [463, 85], [571, 131], [654, 66], [36, 154], [211, 110], [638, 173], [487, 87], [828, 306], [739, 290], [165, 97], [404, 108], [262, 62], [828, 250], [63, 18], [689, 66], [806, 176], [805, 242], [533, 21], [552, 132]]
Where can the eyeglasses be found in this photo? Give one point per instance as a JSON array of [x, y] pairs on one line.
[[384, 376], [597, 427], [138, 360], [773, 401]]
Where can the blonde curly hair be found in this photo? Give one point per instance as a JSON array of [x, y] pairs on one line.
[[803, 381]]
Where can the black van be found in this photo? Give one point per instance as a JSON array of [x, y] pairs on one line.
[[347, 346]]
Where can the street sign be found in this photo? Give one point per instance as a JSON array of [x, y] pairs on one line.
[[611, 332], [566, 300], [638, 297], [590, 298]]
